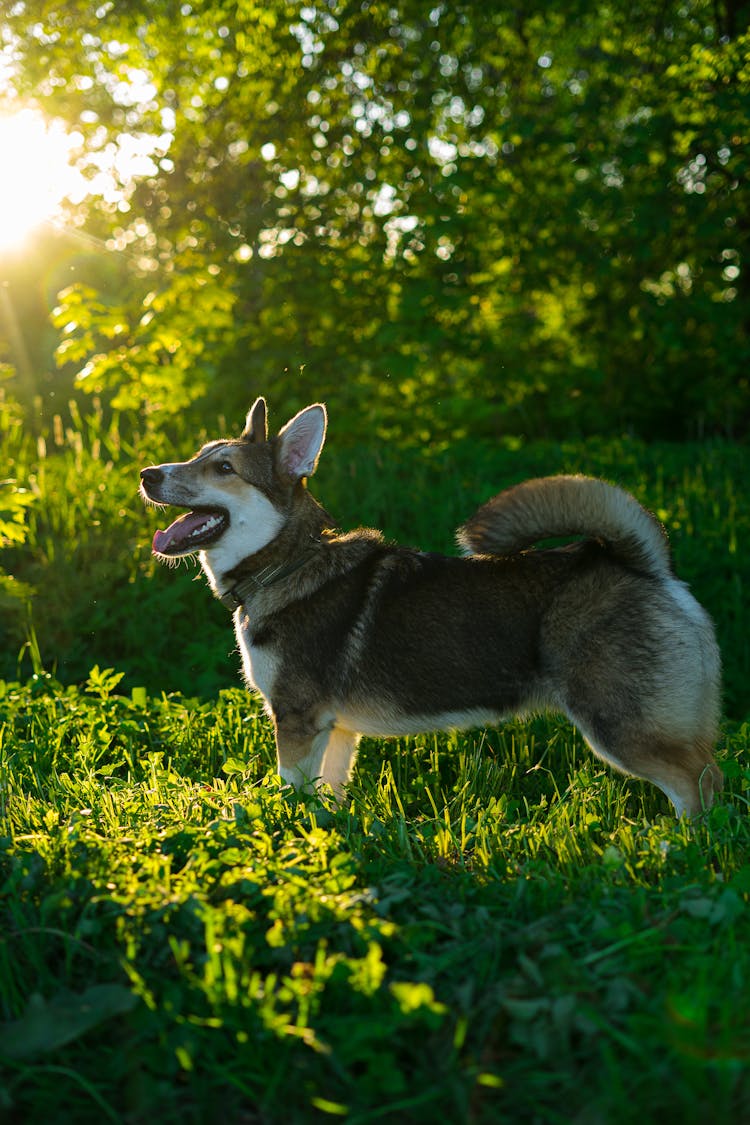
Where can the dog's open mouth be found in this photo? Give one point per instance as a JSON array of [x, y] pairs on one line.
[[191, 531]]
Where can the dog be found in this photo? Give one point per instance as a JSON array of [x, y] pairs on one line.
[[345, 634]]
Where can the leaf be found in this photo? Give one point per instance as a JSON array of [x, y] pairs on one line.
[[740, 881], [234, 766], [525, 1010], [48, 1025], [416, 997], [102, 682], [139, 696]]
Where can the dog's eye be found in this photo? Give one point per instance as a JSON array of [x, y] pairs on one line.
[[224, 468]]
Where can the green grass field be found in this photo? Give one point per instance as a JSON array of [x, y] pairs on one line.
[[494, 928]]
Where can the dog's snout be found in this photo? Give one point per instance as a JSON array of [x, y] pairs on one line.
[[152, 476]]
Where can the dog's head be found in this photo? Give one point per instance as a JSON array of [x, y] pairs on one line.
[[238, 492]]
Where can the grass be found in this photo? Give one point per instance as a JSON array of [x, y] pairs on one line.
[[494, 928]]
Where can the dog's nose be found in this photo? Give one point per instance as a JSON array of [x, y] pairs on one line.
[[152, 476]]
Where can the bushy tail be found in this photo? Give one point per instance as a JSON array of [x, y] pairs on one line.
[[569, 505]]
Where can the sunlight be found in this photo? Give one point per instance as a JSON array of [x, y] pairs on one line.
[[36, 174]]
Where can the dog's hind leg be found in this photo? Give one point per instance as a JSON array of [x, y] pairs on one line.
[[656, 714], [685, 770]]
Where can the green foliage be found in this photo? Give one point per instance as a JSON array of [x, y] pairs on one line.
[[494, 927], [446, 220], [46, 1026], [15, 501], [148, 364]]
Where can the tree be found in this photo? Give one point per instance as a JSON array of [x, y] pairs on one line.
[[444, 218]]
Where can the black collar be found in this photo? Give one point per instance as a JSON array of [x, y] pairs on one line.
[[236, 597]]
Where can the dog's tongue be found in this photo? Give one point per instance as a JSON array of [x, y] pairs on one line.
[[179, 534]]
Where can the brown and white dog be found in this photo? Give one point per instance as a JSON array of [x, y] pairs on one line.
[[346, 634]]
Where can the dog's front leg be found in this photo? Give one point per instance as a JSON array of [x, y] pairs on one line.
[[310, 753], [301, 744], [341, 751], [340, 755]]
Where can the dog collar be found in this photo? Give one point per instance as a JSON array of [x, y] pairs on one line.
[[268, 576]]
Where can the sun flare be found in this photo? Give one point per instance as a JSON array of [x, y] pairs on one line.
[[36, 174]]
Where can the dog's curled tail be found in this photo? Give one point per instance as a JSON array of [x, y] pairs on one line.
[[551, 507]]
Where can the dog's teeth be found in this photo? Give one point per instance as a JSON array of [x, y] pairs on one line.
[[213, 522], [209, 525]]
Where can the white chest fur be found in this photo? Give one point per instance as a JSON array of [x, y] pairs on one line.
[[260, 664]]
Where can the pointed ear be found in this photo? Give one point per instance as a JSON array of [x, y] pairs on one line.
[[256, 426], [301, 440]]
